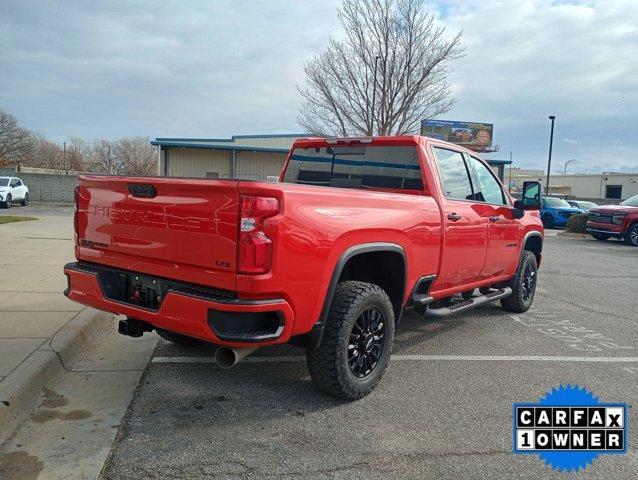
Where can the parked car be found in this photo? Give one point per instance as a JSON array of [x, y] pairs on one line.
[[13, 190], [618, 221], [556, 211], [584, 206], [328, 259]]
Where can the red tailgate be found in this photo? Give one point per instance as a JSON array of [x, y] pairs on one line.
[[169, 227]]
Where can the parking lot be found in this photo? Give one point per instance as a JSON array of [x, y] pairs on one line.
[[443, 408]]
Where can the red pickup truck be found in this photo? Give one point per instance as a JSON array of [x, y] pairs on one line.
[[356, 231], [617, 221]]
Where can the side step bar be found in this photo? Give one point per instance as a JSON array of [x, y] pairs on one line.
[[468, 304]]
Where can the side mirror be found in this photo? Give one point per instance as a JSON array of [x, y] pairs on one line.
[[531, 199]]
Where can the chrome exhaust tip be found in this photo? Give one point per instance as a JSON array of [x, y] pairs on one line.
[[228, 357]]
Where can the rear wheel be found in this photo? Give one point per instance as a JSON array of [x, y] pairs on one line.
[[7, 201], [631, 237], [523, 291], [357, 341], [25, 200], [600, 236], [548, 221], [178, 339]]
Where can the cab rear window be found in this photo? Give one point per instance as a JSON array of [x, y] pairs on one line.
[[374, 167]]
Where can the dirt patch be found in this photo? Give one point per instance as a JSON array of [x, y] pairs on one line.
[[46, 415], [52, 399], [20, 466]]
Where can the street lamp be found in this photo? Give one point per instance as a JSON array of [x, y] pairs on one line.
[[567, 163], [549, 160]]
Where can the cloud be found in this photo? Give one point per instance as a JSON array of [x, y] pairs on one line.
[[110, 69], [532, 58], [570, 141]]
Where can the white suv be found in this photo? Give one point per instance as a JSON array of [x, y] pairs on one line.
[[13, 190]]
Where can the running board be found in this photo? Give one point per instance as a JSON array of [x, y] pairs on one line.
[[421, 299], [468, 304]]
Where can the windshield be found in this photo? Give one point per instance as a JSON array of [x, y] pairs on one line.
[[356, 166], [588, 205], [4, 181], [631, 201], [556, 202]]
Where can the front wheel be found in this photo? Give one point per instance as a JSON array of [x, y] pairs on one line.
[[7, 202], [25, 200], [548, 221], [631, 237], [600, 236], [523, 291], [357, 341]]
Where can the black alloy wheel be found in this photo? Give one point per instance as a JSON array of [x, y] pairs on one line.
[[529, 281], [366, 342]]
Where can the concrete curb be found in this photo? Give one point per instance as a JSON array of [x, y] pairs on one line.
[[21, 390], [573, 235]]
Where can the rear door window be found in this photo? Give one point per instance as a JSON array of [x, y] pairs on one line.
[[370, 166], [454, 175]]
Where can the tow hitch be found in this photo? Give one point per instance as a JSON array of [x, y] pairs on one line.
[[133, 328]]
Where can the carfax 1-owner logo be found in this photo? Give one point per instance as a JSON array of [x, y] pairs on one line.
[[570, 427]]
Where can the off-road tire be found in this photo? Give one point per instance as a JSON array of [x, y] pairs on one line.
[[548, 221], [631, 237], [25, 201], [328, 364], [517, 302], [600, 236], [178, 339]]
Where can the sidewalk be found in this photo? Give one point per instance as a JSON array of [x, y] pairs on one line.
[[32, 307], [65, 373]]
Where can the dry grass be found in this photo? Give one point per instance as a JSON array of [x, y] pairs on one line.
[[15, 218]]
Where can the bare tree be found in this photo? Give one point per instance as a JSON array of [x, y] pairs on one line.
[[413, 55], [78, 153], [136, 156], [15, 141], [44, 153], [104, 159]]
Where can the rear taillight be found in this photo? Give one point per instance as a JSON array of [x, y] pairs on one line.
[[76, 197], [255, 248]]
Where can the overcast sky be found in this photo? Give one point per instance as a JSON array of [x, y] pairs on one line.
[[217, 68]]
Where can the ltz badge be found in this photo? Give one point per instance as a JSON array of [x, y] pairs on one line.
[[570, 427]]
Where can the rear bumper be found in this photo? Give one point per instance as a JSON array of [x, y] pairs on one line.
[[192, 312]]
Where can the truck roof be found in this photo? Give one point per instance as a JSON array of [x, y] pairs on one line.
[[379, 140]]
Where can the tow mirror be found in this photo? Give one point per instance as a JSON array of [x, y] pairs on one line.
[[531, 199]]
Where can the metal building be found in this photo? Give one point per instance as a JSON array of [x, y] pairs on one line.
[[250, 157]]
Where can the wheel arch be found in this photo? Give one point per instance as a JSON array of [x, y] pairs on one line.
[[533, 242], [389, 271]]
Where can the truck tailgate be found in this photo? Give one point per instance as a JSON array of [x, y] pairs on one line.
[[170, 227]]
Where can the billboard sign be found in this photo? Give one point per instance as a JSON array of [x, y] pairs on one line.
[[463, 133]]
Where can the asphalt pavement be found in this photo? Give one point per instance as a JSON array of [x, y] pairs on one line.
[[443, 408]]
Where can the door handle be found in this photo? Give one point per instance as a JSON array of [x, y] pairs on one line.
[[494, 218], [455, 217]]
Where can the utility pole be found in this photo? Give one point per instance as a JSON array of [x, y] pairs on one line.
[[549, 160], [374, 90], [509, 184]]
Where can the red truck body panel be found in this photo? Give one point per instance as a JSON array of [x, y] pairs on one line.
[[189, 231]]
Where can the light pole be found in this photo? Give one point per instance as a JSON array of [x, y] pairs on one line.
[[374, 91], [549, 160], [567, 163]]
